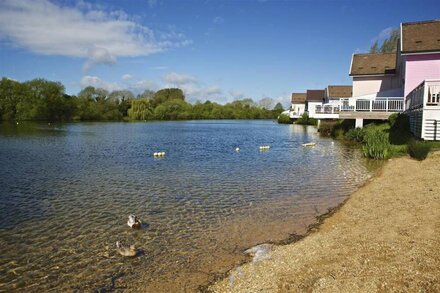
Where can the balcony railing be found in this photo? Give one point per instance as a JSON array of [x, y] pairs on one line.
[[373, 105], [327, 109], [426, 93]]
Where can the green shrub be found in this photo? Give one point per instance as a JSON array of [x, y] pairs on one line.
[[376, 145], [284, 119], [326, 127], [418, 149], [341, 127], [399, 128], [356, 134], [306, 120]]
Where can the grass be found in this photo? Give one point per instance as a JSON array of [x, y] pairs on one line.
[[384, 140]]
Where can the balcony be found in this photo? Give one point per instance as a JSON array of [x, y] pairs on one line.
[[370, 107], [373, 105], [426, 94]]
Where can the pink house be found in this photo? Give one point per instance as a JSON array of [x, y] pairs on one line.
[[420, 54]]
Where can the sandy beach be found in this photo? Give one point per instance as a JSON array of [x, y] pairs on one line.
[[385, 238]]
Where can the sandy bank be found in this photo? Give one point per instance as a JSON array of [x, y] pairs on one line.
[[385, 238]]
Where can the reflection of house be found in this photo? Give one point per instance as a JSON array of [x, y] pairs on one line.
[[420, 50], [298, 105]]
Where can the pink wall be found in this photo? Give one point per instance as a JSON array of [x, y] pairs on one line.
[[420, 67]]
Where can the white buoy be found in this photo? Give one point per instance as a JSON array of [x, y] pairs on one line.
[[237, 149]]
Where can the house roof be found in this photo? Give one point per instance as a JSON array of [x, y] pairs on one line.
[[420, 36], [339, 91], [299, 98], [315, 95], [373, 64]]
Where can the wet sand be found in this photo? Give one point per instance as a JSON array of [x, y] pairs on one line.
[[385, 238]]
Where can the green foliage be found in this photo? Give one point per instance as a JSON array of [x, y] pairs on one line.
[[40, 99], [355, 134], [164, 95], [376, 144], [325, 127], [400, 128], [389, 45], [306, 120], [418, 149], [374, 48], [340, 128], [140, 110], [284, 119]]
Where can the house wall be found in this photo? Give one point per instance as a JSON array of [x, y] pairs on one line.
[[298, 108], [312, 106], [419, 68], [364, 85]]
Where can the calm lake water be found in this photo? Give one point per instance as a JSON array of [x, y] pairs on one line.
[[66, 191]]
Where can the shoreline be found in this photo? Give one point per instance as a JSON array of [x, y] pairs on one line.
[[276, 273]]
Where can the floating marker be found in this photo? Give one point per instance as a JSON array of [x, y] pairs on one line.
[[264, 147], [159, 154], [237, 149]]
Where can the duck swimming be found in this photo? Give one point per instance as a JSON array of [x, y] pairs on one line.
[[134, 222], [126, 251]]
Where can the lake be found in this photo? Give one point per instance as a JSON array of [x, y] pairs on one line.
[[66, 191]]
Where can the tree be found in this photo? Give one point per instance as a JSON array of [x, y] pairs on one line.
[[266, 103], [140, 110], [389, 45], [147, 94], [374, 48], [164, 95]]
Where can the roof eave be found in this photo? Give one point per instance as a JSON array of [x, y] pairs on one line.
[[420, 52]]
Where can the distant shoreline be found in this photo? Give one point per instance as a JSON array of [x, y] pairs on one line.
[[381, 238]]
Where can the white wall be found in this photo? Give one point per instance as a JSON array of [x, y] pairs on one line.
[[298, 108], [372, 84], [312, 106]]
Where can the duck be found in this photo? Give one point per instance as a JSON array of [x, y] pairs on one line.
[[309, 144], [123, 250], [134, 222]]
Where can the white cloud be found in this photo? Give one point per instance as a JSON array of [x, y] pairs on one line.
[[218, 20], [177, 79], [196, 92], [127, 77], [98, 83], [86, 30], [142, 85], [98, 55], [237, 95]]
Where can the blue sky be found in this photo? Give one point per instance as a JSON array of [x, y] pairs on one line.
[[217, 50]]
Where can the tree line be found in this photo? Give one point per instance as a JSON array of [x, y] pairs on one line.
[[40, 99]]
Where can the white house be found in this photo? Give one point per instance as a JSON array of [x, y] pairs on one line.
[[298, 106]]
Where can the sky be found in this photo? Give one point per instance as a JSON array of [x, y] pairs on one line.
[[213, 50]]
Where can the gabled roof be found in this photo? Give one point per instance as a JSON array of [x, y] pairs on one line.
[[420, 36], [299, 98], [315, 95], [373, 64], [339, 91]]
